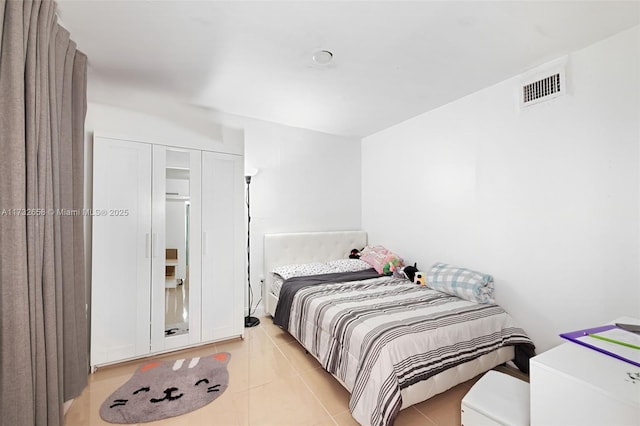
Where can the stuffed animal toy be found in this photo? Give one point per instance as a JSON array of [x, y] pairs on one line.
[[391, 266], [409, 272], [399, 273], [355, 254], [420, 279]]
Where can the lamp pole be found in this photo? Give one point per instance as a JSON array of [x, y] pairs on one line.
[[249, 321]]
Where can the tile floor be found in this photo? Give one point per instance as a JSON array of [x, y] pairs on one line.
[[281, 386]]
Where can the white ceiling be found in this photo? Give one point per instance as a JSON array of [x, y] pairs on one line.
[[392, 60]]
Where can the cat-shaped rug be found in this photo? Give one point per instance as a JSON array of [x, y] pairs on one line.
[[158, 390]]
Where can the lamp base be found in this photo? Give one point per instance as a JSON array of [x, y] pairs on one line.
[[251, 321]]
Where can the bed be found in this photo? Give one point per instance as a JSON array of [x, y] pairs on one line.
[[376, 335]]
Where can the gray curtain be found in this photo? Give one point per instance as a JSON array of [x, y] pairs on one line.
[[43, 322]]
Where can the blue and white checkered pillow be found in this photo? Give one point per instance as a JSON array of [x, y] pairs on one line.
[[464, 283]]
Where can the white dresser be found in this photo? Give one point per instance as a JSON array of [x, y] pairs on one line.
[[576, 385]]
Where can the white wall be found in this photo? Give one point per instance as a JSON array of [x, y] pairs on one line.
[[545, 199], [165, 124], [306, 181]]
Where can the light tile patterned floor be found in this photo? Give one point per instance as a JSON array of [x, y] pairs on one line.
[[281, 386]]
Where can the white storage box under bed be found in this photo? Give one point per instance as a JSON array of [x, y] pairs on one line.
[[496, 399]]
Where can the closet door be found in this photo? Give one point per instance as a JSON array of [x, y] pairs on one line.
[[121, 250], [176, 267], [223, 246]]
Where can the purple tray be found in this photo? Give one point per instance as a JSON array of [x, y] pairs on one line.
[[574, 335]]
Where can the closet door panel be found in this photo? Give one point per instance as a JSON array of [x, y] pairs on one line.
[[195, 250], [223, 249], [121, 250], [175, 288], [157, 282]]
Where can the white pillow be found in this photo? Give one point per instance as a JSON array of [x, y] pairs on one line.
[[317, 268], [302, 269], [348, 265]]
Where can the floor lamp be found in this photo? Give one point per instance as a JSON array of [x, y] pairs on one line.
[[249, 321]]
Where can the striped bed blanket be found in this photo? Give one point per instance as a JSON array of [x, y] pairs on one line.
[[380, 336]]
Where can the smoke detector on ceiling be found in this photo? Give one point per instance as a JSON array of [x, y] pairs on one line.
[[322, 57]]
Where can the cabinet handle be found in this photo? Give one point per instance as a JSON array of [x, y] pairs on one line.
[[154, 240], [147, 244], [205, 244]]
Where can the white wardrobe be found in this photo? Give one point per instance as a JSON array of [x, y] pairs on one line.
[[168, 248]]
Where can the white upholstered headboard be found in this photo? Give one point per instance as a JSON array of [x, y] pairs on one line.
[[305, 247]]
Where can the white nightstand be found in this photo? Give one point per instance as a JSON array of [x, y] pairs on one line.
[[575, 385]]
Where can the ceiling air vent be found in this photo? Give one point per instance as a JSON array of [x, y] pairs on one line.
[[542, 84], [541, 89]]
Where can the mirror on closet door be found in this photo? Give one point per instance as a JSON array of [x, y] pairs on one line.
[[177, 215]]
